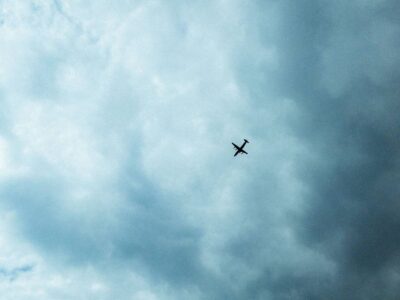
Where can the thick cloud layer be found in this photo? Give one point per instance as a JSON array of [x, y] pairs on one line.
[[117, 179]]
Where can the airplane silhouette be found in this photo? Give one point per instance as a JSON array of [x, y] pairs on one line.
[[240, 149]]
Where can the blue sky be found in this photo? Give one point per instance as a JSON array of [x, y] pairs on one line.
[[117, 176]]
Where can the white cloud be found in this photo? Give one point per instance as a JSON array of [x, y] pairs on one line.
[[151, 91]]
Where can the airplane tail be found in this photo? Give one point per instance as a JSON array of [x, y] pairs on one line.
[[246, 141]]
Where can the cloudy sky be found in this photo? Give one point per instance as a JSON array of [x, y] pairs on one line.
[[117, 175]]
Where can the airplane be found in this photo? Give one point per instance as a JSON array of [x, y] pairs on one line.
[[240, 149]]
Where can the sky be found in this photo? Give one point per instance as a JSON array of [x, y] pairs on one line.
[[117, 175]]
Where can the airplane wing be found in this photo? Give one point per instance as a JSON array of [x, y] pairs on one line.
[[236, 146], [240, 151]]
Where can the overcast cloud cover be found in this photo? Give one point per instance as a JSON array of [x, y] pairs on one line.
[[117, 176]]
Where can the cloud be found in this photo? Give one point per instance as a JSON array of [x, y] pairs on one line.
[[117, 178]]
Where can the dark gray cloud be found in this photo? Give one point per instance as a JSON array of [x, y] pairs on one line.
[[348, 93], [334, 65]]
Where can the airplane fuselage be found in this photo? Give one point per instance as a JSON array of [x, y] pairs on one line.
[[240, 149]]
